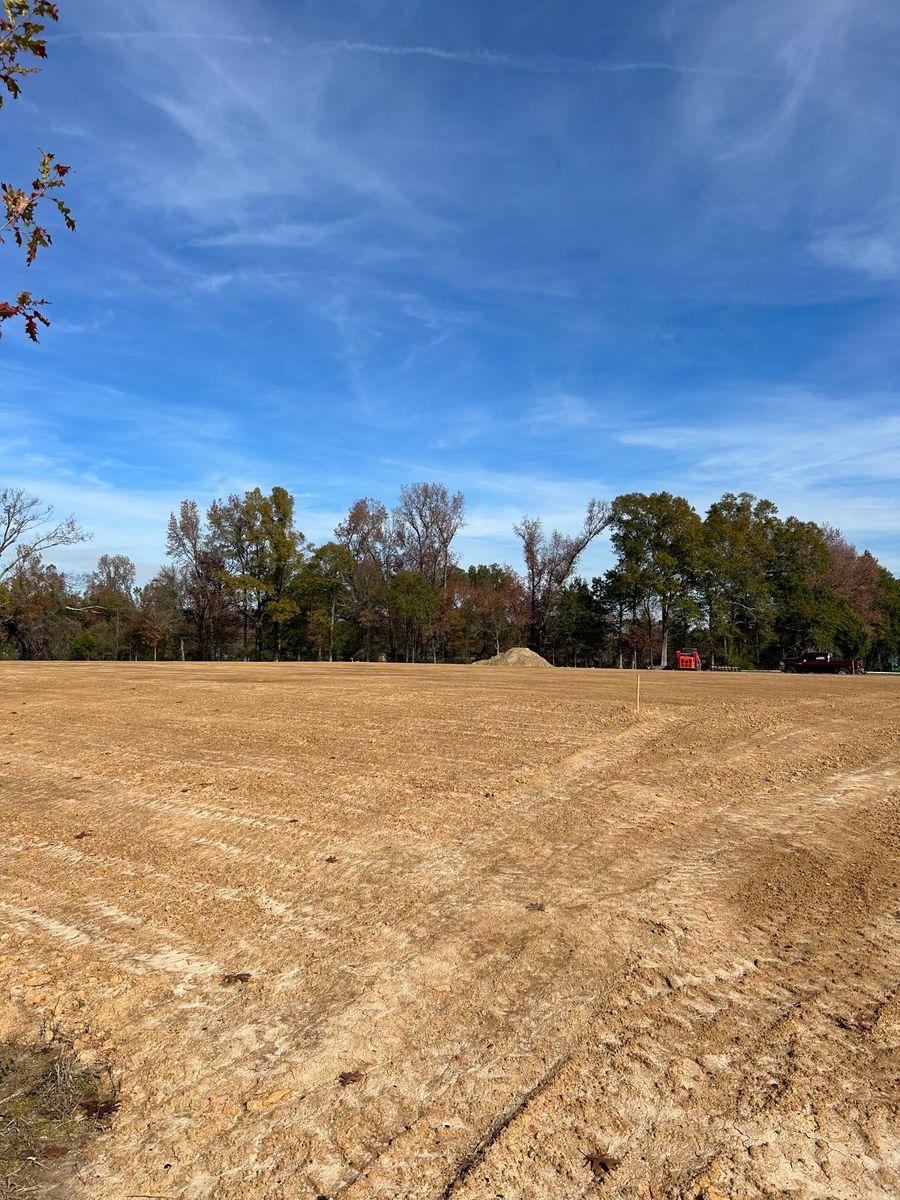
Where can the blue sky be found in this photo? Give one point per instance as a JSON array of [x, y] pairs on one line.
[[540, 252]]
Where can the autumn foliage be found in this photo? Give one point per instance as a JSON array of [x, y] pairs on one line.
[[241, 581], [21, 40]]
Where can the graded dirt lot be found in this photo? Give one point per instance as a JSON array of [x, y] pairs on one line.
[[504, 937]]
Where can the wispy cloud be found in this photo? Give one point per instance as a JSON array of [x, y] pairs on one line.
[[302, 234], [562, 412], [805, 439], [864, 248], [343, 249], [765, 147]]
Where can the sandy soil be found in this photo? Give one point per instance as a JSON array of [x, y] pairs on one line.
[[505, 938]]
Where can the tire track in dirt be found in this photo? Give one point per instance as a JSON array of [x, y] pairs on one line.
[[676, 878], [159, 957], [497, 1041], [104, 867], [660, 1047]]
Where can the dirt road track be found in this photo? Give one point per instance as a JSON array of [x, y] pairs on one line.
[[567, 952]]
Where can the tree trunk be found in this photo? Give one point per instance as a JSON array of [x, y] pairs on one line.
[[664, 648], [650, 633]]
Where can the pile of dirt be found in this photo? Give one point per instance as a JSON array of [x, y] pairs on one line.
[[519, 656]]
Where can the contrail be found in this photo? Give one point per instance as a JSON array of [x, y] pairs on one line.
[[139, 35], [544, 64]]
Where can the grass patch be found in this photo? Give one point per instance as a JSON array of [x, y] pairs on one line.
[[49, 1107]]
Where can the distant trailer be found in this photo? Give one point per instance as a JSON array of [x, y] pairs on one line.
[[689, 660]]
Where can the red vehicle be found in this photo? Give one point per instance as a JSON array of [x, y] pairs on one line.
[[822, 663], [688, 660]]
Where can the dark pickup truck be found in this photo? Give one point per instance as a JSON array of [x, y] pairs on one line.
[[823, 664]]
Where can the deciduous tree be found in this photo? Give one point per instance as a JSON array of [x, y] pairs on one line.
[[658, 540], [28, 528], [549, 561], [201, 569], [369, 535], [733, 580], [36, 609], [21, 44], [328, 594], [426, 521], [494, 602]]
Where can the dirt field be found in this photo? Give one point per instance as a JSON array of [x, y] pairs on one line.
[[505, 939]]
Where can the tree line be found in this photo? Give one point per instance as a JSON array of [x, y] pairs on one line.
[[241, 582]]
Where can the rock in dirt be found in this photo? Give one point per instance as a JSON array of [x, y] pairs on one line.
[[257, 1104]]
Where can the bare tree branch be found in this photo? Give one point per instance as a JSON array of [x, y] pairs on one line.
[[27, 527]]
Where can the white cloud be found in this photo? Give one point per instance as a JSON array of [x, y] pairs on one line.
[[820, 458], [807, 441], [456, 274], [304, 234], [562, 411], [872, 252]]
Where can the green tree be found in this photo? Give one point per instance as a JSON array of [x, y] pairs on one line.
[[579, 627], [658, 539], [277, 556], [492, 609], [83, 647], [887, 623], [229, 526], [109, 599], [805, 612], [329, 596], [617, 599], [734, 574], [417, 603]]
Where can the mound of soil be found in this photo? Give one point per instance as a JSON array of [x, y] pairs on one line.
[[519, 656]]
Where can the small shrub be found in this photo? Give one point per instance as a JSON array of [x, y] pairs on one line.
[[83, 647], [49, 1107]]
